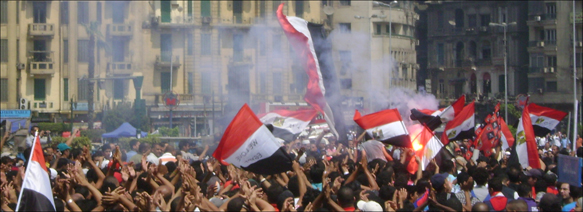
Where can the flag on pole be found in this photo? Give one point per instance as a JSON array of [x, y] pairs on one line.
[[461, 127], [248, 144], [385, 126], [506, 137], [297, 32], [450, 112], [545, 119], [526, 147], [429, 118], [287, 123], [36, 194], [426, 147]]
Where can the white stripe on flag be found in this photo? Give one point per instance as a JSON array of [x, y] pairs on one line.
[[430, 151], [290, 124], [38, 180], [262, 144], [388, 131], [465, 126], [543, 121], [521, 148]]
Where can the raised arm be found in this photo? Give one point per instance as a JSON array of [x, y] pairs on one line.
[[72, 137]]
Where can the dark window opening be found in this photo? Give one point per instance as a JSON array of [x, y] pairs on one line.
[[39, 11]]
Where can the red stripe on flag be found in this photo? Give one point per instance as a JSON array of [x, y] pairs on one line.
[[506, 132], [533, 158], [545, 111], [38, 154], [239, 130], [304, 115], [379, 118], [466, 113]]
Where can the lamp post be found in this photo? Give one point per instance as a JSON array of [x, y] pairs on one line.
[[504, 25]]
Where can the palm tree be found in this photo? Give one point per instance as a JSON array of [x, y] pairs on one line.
[[95, 37]]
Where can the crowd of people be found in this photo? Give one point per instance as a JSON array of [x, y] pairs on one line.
[[361, 174]]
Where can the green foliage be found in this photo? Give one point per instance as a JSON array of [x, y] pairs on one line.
[[151, 139], [167, 132], [78, 142], [124, 143], [512, 130], [93, 134], [56, 128], [512, 111], [121, 113]]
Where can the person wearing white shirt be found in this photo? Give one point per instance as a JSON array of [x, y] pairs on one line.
[[154, 156], [184, 150], [44, 136]]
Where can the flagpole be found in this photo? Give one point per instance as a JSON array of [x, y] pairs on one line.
[[26, 172], [574, 80]]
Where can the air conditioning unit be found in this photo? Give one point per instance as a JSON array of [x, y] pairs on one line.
[[579, 44], [537, 18], [541, 44], [206, 20], [540, 91], [552, 69], [155, 20], [545, 70], [23, 104], [20, 66], [484, 29]]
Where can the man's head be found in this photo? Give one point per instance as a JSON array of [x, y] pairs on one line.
[[135, 144], [565, 191], [345, 197], [157, 149], [533, 176], [480, 207], [440, 182], [34, 129], [64, 149], [184, 145], [106, 149], [494, 185], [465, 181], [513, 175], [144, 147], [549, 202], [524, 190], [480, 176], [517, 205]]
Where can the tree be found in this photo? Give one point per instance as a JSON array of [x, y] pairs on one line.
[[94, 36], [124, 113]]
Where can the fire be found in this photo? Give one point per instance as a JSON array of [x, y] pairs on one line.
[[416, 145]]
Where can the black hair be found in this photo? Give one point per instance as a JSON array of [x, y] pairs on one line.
[[345, 196], [62, 163], [133, 142], [540, 186], [447, 166], [144, 147], [105, 147], [293, 186], [386, 192], [550, 179], [174, 203], [316, 174], [235, 204], [495, 184], [171, 166], [384, 178], [273, 193], [82, 190], [523, 190], [86, 204], [76, 152], [481, 176], [462, 177], [513, 174], [310, 195]]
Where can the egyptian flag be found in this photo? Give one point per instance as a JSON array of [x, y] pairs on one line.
[[544, 119], [426, 147], [461, 127], [526, 147], [450, 112], [287, 123], [385, 126], [36, 192], [429, 118], [506, 137], [248, 144], [422, 199], [298, 34]]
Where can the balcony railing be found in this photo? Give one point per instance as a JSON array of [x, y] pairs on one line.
[[121, 67], [550, 42], [41, 29], [164, 60], [484, 62], [41, 62], [120, 29], [42, 105], [535, 70]]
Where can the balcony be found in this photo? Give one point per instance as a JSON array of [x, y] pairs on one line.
[[120, 67], [240, 59], [498, 61], [550, 43], [41, 29], [40, 105], [535, 70], [237, 21], [484, 62], [174, 23], [120, 29], [166, 61], [41, 63], [578, 43]]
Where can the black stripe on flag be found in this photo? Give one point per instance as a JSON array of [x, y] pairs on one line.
[[467, 134], [401, 140], [540, 131], [279, 162], [35, 201]]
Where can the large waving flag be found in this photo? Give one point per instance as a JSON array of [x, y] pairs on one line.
[[248, 144], [450, 112], [526, 147], [36, 194], [426, 147], [287, 123], [434, 118], [506, 137], [545, 119], [461, 127], [297, 32], [385, 126]]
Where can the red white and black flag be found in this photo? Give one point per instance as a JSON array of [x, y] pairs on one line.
[[544, 119], [426, 146], [434, 118], [287, 123], [36, 194], [385, 126], [248, 144], [461, 127], [297, 32], [526, 147]]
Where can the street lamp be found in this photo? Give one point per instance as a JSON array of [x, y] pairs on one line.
[[505, 26]]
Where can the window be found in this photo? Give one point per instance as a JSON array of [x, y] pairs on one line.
[[65, 89], [263, 83], [4, 12], [276, 43], [459, 18], [205, 41], [190, 83], [4, 88], [346, 60], [501, 83], [344, 27], [166, 47], [277, 82], [345, 2], [261, 41], [441, 87], [262, 9], [536, 61], [550, 35], [536, 84], [390, 29], [552, 86], [541, 34], [551, 8], [119, 49], [238, 50], [299, 6], [440, 54], [579, 59], [485, 20], [275, 5], [65, 51], [118, 12], [39, 89], [82, 89], [165, 81], [118, 88], [83, 50], [552, 61], [440, 19], [205, 8], [189, 8], [378, 29], [4, 50], [486, 50], [98, 12], [206, 82], [83, 12], [190, 43], [39, 10], [472, 20]]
